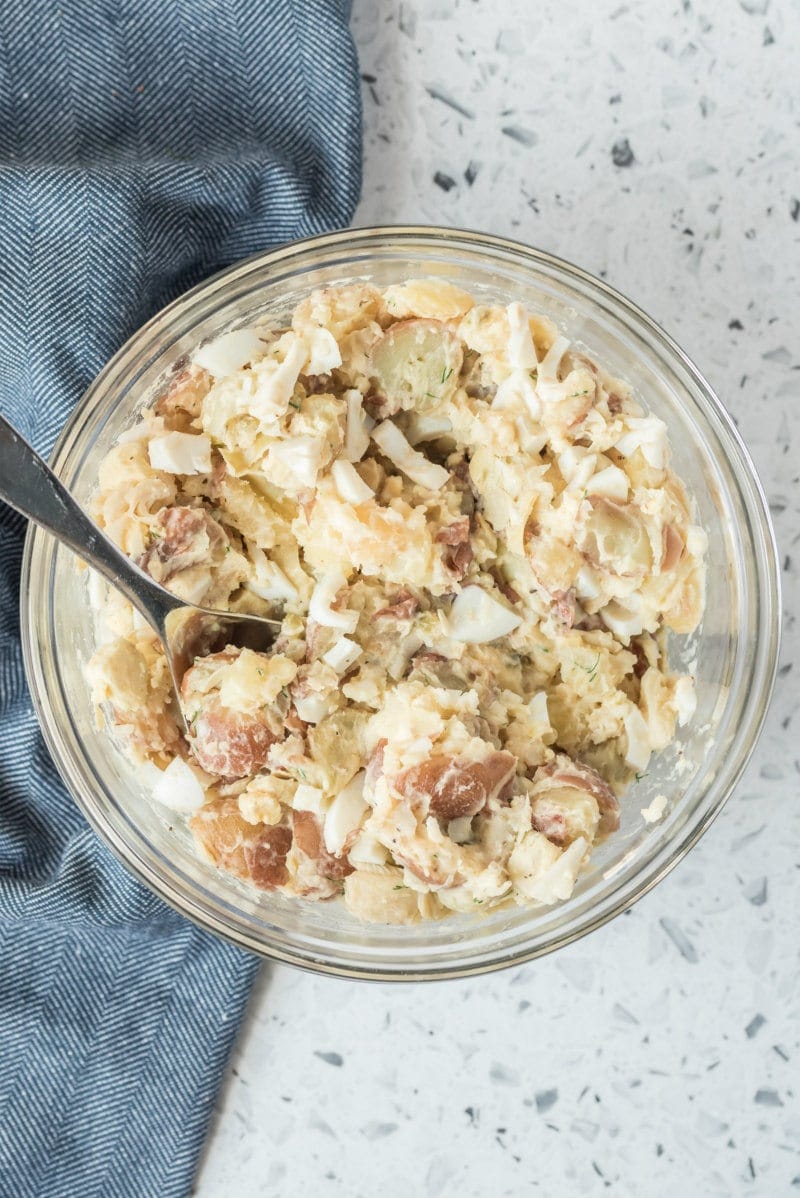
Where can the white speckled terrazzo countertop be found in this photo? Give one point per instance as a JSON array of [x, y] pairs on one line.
[[657, 145]]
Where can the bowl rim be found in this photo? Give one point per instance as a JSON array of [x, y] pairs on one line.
[[668, 856]]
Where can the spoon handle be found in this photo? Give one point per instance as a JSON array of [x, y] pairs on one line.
[[28, 484]]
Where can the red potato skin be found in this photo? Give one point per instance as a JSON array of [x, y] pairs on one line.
[[185, 394], [456, 533], [219, 473], [458, 552], [226, 742], [178, 548], [564, 606], [230, 744], [293, 723], [454, 789], [428, 657], [182, 525], [505, 588], [403, 607], [673, 549], [566, 772], [266, 858], [374, 767], [252, 852], [458, 559], [315, 639], [553, 825]]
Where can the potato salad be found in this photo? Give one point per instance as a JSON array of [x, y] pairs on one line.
[[476, 548]]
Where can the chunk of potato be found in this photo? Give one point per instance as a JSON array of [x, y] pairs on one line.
[[564, 813], [431, 298], [568, 783], [255, 853], [615, 539], [416, 365], [454, 789], [377, 895]]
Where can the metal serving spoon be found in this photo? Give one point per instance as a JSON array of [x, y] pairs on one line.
[[28, 484]]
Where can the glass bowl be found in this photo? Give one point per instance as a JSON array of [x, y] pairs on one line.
[[733, 656]]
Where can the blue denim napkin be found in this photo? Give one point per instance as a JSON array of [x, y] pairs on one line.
[[143, 145]]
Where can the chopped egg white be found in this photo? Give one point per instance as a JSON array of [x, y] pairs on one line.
[[345, 814], [323, 595], [655, 810], [637, 752], [295, 462], [356, 438], [477, 617], [230, 352], [610, 482], [342, 655], [349, 483], [521, 352], [269, 581], [647, 433], [181, 453], [180, 788], [392, 443], [324, 354], [308, 798]]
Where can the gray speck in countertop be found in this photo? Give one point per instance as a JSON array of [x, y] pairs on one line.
[[744, 841], [318, 1124], [680, 940], [756, 892], [621, 153], [545, 1099], [525, 137], [768, 1098], [471, 173], [438, 1177], [699, 168], [407, 21], [783, 437], [503, 1076], [330, 1058], [585, 1129], [438, 93], [378, 1131], [755, 1024], [446, 182], [779, 354]]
